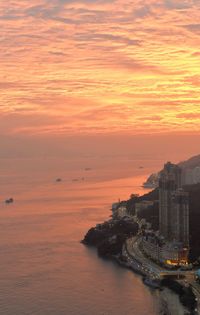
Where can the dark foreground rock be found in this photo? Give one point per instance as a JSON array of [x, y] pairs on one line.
[[110, 236], [186, 294]]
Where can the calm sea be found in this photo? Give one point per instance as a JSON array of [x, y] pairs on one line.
[[44, 268]]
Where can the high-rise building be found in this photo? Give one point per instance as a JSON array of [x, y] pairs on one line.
[[191, 176], [196, 175], [169, 182], [179, 229], [171, 245], [173, 215]]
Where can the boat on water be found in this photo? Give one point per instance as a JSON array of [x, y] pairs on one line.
[[10, 200], [153, 283]]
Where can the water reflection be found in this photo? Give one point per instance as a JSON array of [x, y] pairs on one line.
[[44, 268]]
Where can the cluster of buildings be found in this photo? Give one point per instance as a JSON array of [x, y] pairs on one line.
[[170, 245], [119, 211]]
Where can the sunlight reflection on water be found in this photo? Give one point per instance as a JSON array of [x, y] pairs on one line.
[[44, 268]]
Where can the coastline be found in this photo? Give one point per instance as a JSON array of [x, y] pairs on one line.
[[124, 259], [167, 300]]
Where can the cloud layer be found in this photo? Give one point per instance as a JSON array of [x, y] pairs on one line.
[[70, 67]]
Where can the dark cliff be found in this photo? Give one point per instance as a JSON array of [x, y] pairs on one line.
[[109, 236]]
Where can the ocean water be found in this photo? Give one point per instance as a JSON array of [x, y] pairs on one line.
[[45, 270]]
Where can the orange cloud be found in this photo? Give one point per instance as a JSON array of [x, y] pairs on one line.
[[99, 66]]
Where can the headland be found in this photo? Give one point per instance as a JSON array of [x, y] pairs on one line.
[[134, 237]]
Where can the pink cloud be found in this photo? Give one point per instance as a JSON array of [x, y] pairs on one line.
[[99, 66]]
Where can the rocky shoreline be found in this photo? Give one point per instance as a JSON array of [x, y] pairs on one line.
[[109, 238]]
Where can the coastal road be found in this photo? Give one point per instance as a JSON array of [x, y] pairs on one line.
[[152, 269], [133, 248]]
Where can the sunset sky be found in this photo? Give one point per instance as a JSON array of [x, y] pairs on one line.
[[99, 67]]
